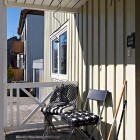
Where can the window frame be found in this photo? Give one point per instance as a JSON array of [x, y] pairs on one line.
[[61, 30]]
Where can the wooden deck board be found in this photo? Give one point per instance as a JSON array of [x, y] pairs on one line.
[[18, 137]]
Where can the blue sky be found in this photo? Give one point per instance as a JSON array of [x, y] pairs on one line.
[[13, 15]]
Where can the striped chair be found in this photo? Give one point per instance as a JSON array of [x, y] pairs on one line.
[[63, 99]]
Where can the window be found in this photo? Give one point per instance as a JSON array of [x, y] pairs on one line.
[[59, 53]]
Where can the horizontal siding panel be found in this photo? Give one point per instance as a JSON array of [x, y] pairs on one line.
[[20, 1], [65, 3], [29, 1], [55, 3], [47, 2], [81, 2], [72, 3], [38, 2]]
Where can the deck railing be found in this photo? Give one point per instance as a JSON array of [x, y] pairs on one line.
[[24, 112]]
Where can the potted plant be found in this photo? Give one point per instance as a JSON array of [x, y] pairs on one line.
[[10, 74]]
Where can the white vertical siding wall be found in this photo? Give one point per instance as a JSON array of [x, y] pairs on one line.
[[137, 65], [97, 57], [34, 42], [109, 60]]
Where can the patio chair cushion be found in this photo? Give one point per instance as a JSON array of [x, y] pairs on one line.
[[80, 118], [57, 108]]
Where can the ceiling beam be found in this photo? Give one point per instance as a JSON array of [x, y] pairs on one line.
[[41, 7]]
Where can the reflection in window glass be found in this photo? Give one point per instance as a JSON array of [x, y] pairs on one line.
[[59, 54], [63, 53], [54, 56]]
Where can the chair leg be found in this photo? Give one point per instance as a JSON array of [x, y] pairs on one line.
[[48, 125], [100, 131], [94, 131], [82, 133], [72, 132]]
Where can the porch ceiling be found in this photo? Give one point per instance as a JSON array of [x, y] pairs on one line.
[[66, 5]]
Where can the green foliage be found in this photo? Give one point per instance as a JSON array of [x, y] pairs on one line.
[[10, 74]]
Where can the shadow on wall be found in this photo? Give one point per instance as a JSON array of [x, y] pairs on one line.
[[103, 44], [98, 47]]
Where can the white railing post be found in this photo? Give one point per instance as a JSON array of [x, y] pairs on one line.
[[17, 116], [11, 107], [33, 75], [3, 67]]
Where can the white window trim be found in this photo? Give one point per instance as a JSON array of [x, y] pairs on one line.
[[57, 33]]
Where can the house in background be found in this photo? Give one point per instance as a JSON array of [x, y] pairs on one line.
[[31, 32], [15, 48], [11, 57]]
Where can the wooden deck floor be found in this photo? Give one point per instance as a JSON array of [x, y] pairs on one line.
[[38, 135], [26, 106]]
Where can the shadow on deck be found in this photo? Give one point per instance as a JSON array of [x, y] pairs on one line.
[[38, 135]]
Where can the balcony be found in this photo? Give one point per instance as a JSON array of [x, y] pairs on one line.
[[18, 73], [18, 47], [24, 112]]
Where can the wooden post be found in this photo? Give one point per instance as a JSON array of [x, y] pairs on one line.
[[3, 67]]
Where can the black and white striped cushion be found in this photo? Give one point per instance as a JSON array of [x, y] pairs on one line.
[[57, 109]]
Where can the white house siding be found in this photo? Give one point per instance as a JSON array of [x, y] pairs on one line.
[[34, 42], [137, 67], [98, 56]]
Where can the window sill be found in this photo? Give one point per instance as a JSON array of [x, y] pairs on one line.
[[59, 77]]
